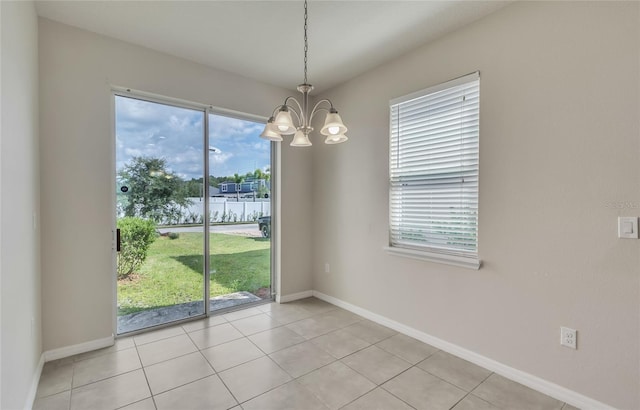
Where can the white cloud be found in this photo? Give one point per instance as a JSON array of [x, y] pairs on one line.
[[175, 134], [219, 159]]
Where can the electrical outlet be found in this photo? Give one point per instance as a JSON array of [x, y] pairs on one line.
[[569, 337], [327, 268]]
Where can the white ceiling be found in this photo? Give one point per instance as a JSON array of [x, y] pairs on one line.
[[263, 40]]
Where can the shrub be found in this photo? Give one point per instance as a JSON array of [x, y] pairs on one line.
[[174, 235], [136, 235]]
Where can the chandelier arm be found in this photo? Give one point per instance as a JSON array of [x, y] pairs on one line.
[[317, 108], [275, 110], [299, 116]]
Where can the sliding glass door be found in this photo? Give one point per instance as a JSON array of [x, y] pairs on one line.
[[184, 239]]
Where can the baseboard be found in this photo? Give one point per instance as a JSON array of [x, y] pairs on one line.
[[294, 296], [33, 389], [529, 380], [67, 351]]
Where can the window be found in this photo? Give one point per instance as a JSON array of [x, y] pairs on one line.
[[433, 170]]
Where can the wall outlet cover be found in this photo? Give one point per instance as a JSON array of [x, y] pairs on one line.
[[569, 337]]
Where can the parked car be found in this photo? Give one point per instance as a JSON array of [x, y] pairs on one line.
[[264, 224]]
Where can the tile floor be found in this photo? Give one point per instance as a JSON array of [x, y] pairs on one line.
[[304, 355]]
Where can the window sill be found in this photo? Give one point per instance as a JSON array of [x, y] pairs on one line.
[[460, 261]]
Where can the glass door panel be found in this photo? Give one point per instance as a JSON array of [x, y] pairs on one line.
[[160, 213], [239, 212]]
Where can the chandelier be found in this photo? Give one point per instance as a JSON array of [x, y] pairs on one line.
[[281, 122]]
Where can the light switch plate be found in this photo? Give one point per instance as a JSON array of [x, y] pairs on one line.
[[628, 227]]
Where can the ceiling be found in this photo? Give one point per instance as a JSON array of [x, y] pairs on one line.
[[263, 40]]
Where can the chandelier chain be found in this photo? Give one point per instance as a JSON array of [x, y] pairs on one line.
[[306, 45]]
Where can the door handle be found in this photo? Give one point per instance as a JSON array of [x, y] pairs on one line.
[[118, 240]]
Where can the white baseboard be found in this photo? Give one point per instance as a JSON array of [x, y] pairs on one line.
[[33, 389], [294, 296], [529, 380], [67, 351]]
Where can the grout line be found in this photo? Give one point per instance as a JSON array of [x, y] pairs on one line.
[[179, 386], [138, 401], [144, 372]]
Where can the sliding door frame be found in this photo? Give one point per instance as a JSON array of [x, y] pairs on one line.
[[206, 110]]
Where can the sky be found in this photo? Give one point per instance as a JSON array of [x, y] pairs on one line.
[[150, 129]]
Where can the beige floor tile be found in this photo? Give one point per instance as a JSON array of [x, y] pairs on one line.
[[119, 344], [424, 391], [276, 339], [278, 307], [456, 371], [370, 331], [472, 402], [104, 366], [340, 343], [267, 307], [207, 393], [301, 358], [241, 314], [378, 399], [146, 404], [505, 393], [203, 323], [214, 335], [176, 372], [288, 314], [55, 378], [58, 401], [165, 349], [111, 393], [230, 354], [338, 318], [375, 364], [569, 407], [254, 378], [311, 327], [336, 384], [313, 305], [290, 396], [255, 324], [156, 335], [407, 348], [61, 361]]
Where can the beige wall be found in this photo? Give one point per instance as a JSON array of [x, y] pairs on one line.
[[76, 70], [21, 339], [559, 147]]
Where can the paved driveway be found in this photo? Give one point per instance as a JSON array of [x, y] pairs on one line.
[[246, 229]]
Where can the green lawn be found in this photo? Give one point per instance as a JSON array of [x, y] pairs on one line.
[[173, 271]]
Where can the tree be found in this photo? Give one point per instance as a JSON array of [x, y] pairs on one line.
[[194, 188], [153, 191], [258, 174], [238, 179]]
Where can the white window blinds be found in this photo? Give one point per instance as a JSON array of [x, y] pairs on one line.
[[433, 165]]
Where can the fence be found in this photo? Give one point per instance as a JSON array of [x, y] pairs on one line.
[[223, 211]]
